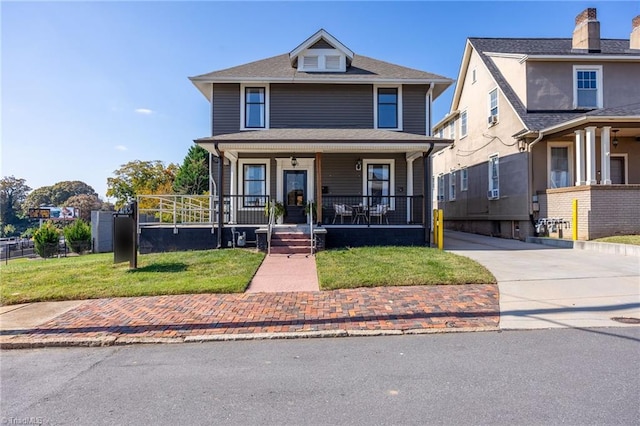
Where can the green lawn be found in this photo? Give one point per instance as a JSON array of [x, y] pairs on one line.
[[621, 239], [95, 275], [387, 266]]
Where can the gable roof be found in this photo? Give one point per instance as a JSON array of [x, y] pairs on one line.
[[318, 36], [279, 69], [541, 48]]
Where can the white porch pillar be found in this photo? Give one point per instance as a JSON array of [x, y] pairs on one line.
[[591, 154], [579, 157], [233, 184], [410, 159], [605, 156]]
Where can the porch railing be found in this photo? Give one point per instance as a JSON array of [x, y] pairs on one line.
[[372, 210]]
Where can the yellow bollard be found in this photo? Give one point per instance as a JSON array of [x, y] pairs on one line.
[[435, 226], [574, 219], [441, 229]]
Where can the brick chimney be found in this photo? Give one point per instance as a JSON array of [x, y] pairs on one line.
[[634, 39], [586, 35]]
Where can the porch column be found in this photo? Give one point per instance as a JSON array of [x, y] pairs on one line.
[[410, 159], [318, 187], [605, 156], [591, 155], [579, 157], [233, 172]]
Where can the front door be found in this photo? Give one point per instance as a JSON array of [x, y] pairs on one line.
[[295, 197], [617, 170]]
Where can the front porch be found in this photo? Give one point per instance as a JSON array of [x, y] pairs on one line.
[[603, 210]]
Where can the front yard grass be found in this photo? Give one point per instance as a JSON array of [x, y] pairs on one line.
[[395, 266], [620, 239], [96, 276]]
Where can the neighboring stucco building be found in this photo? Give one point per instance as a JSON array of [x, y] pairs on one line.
[[537, 123]]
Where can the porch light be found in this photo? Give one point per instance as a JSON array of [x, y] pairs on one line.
[[615, 138], [359, 165], [294, 161]]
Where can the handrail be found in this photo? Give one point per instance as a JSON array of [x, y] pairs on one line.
[[310, 219], [270, 226]]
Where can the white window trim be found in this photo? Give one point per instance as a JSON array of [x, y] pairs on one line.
[[464, 181], [243, 99], [453, 176], [495, 89], [241, 164], [490, 186], [375, 105], [625, 158], [568, 145], [599, 79], [464, 135], [392, 177]]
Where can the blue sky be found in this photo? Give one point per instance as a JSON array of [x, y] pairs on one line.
[[89, 86]]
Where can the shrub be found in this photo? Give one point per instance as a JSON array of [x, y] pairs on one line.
[[78, 236], [46, 240]]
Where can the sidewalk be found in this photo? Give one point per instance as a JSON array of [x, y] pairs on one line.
[[202, 317]]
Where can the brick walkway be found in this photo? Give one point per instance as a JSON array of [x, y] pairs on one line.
[[385, 308]]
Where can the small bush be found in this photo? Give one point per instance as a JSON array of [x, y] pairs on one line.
[[78, 236], [46, 240]]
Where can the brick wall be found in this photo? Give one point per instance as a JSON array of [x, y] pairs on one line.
[[603, 210]]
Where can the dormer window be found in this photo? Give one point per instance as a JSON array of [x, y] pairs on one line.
[[322, 60]]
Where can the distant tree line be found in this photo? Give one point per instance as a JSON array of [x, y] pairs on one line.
[[130, 180]]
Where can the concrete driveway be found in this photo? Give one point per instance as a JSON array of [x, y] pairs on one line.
[[548, 287]]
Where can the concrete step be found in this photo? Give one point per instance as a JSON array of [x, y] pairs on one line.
[[289, 236], [290, 250]]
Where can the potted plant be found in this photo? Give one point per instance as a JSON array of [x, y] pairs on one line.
[[278, 209]]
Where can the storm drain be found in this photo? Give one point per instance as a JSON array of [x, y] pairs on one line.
[[627, 320]]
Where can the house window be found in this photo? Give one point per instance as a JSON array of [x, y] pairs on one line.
[[463, 124], [388, 108], [587, 83], [441, 187], [254, 107], [493, 106], [440, 133], [464, 179], [452, 185], [332, 62], [494, 177], [254, 184], [379, 182], [559, 165], [473, 76], [452, 130]]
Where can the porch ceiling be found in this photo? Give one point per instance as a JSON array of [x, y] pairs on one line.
[[323, 140]]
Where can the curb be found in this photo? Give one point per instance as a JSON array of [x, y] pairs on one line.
[[24, 343]]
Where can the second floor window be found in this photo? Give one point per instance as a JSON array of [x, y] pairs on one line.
[[452, 130], [463, 124], [588, 87], [387, 108], [493, 103], [254, 107]]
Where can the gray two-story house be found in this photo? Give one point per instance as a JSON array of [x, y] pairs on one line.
[[336, 141], [540, 126]]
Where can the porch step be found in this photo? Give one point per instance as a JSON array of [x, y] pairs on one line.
[[290, 243]]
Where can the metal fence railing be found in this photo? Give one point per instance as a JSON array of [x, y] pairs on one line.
[[372, 210]]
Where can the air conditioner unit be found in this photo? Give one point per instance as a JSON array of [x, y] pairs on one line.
[[492, 119], [493, 194]]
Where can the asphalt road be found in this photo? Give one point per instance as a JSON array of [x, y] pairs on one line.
[[562, 376]]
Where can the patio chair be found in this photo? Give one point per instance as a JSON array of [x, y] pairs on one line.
[[342, 210], [380, 211]]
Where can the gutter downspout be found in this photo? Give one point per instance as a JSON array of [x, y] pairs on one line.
[[426, 209], [220, 196]]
